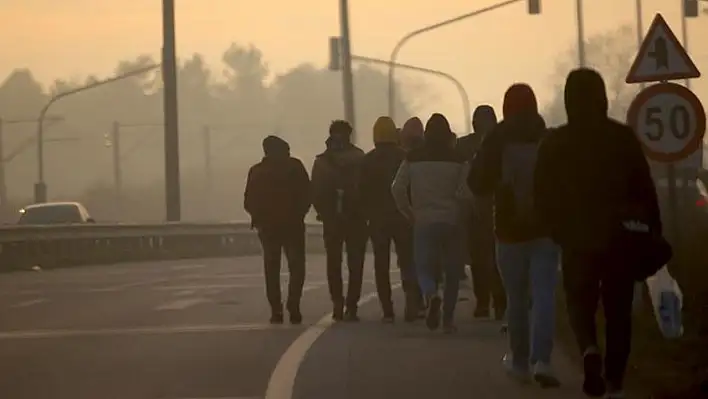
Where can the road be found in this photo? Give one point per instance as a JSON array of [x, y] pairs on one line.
[[198, 329]]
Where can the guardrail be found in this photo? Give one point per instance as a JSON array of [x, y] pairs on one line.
[[52, 246]]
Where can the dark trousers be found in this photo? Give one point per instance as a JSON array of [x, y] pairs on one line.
[[589, 279], [382, 233], [486, 280], [353, 236], [275, 240]]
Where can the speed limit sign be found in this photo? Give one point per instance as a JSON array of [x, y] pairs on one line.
[[669, 121]]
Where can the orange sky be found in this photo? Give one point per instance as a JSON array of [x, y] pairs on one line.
[[64, 38]]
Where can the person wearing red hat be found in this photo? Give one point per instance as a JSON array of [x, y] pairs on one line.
[[526, 256]]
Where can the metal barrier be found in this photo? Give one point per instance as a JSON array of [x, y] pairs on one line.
[[52, 246]]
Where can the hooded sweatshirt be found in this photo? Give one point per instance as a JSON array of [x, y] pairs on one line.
[[591, 173], [435, 175], [522, 124], [277, 190], [378, 170], [340, 156], [412, 134]]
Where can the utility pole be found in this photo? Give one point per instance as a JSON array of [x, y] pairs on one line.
[[3, 182], [173, 199], [582, 61], [208, 172], [117, 169], [347, 78]]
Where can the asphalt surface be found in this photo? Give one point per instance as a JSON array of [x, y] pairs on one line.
[[198, 329]]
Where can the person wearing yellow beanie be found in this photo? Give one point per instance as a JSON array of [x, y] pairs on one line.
[[386, 223]]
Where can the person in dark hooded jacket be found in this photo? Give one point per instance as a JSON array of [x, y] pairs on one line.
[[527, 257], [277, 197], [429, 188], [411, 135], [386, 224], [591, 174], [336, 196], [480, 225]]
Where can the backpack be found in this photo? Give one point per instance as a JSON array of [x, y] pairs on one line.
[[518, 166], [344, 196]]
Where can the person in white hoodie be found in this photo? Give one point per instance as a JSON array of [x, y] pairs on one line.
[[435, 175]]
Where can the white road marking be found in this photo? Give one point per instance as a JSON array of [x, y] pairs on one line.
[[122, 287], [184, 293], [35, 334], [27, 304], [282, 380], [187, 267], [182, 304]]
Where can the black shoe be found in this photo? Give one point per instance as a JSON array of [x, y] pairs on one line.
[[432, 319], [388, 317], [481, 312], [338, 311], [449, 327], [276, 318], [594, 384], [295, 316], [351, 316], [410, 313]]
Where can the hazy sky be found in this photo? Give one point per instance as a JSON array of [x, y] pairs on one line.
[[64, 38]]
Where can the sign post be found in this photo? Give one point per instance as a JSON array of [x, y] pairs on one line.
[[668, 119]]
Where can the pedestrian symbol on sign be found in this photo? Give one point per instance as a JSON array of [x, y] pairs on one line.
[[660, 53]]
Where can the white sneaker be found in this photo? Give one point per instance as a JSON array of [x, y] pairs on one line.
[[543, 374], [520, 376]]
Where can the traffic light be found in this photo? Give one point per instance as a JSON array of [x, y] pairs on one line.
[[535, 7], [335, 54], [690, 8]]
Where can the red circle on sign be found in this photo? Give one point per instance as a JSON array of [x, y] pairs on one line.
[[669, 88]]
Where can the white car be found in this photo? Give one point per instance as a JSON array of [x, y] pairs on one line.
[[54, 213]]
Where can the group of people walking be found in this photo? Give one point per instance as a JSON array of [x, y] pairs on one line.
[[514, 200]]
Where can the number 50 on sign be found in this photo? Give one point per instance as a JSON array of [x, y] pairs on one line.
[[669, 121]]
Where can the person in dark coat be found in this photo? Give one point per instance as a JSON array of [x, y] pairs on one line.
[[591, 174], [527, 257], [386, 224], [480, 226], [277, 197], [336, 195]]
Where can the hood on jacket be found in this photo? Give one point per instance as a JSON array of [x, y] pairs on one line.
[[519, 99], [274, 146], [585, 96], [412, 133], [385, 131], [484, 119], [438, 132]]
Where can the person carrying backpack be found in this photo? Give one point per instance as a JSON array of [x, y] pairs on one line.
[[428, 189], [277, 197], [336, 198], [527, 257]]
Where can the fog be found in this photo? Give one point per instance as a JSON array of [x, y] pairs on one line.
[[238, 101]]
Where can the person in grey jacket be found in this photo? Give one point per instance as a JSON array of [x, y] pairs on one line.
[[436, 176]]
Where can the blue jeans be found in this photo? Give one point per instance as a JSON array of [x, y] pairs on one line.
[[530, 265], [435, 245]]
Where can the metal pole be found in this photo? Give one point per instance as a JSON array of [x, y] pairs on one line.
[[40, 188], [117, 170], [684, 34], [207, 166], [640, 32], [409, 36], [581, 34], [347, 78], [463, 93], [3, 182], [171, 113]]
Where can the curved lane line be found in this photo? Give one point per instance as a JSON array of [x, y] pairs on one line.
[[282, 381]]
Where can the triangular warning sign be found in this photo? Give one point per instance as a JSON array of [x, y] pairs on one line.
[[661, 57]]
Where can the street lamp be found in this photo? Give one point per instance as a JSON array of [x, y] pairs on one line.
[[40, 188], [534, 7]]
